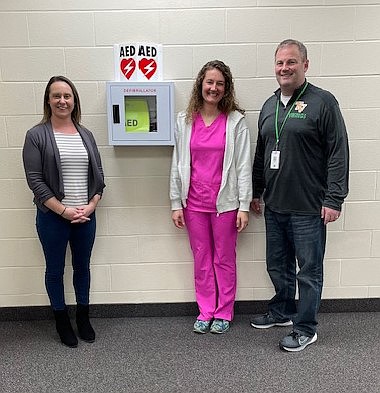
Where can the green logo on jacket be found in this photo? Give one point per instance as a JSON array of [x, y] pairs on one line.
[[297, 115]]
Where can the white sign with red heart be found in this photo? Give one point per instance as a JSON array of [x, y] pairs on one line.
[[138, 62]]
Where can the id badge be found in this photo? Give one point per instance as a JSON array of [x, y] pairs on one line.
[[275, 159]]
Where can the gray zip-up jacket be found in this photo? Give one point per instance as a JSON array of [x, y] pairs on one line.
[[236, 187], [43, 166]]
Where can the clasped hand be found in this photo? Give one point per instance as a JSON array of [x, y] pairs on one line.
[[79, 214]]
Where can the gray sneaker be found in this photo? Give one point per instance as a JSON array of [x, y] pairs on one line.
[[295, 342], [266, 321]]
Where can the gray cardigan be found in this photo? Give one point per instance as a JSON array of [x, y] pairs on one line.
[[43, 167], [236, 188]]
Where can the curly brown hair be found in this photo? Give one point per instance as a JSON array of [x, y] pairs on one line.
[[227, 104], [75, 114]]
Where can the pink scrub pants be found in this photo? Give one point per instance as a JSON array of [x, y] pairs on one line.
[[213, 242]]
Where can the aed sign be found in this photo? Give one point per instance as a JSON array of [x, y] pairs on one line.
[[138, 62]]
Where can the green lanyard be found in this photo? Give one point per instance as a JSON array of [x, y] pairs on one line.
[[279, 132]]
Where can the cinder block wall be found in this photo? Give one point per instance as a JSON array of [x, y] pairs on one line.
[[139, 256]]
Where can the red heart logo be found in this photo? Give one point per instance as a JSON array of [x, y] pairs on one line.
[[128, 67], [148, 67]]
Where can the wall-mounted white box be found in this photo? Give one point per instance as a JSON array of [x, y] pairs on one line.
[[140, 113]]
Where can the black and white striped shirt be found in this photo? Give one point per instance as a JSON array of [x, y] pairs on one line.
[[74, 162]]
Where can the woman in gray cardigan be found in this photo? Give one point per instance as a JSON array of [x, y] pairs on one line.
[[63, 169]]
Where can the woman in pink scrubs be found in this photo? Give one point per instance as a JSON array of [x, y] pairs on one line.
[[211, 190]]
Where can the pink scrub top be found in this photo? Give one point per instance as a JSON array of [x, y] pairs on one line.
[[207, 144]]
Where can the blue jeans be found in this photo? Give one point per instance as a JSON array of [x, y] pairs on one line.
[[293, 238], [55, 233]]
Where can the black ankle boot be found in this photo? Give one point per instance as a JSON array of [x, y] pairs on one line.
[[86, 332], [64, 328]]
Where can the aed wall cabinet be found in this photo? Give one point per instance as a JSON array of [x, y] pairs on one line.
[[140, 113]]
